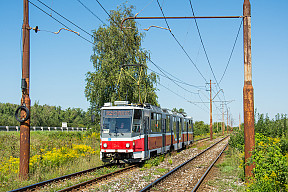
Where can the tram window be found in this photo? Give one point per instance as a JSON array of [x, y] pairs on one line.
[[167, 124], [137, 120], [159, 124], [137, 114], [174, 125], [153, 122], [190, 126]]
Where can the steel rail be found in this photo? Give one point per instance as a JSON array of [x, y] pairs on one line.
[[207, 171], [175, 169], [79, 185], [40, 184]]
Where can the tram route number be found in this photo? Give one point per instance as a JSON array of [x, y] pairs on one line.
[[118, 113]]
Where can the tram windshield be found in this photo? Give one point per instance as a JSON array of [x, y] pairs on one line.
[[117, 121]]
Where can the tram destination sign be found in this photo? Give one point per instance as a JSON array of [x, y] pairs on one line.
[[117, 113]]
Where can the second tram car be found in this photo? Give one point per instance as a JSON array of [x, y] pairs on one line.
[[135, 132]]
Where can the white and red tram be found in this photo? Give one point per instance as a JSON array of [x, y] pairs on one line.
[[135, 132]]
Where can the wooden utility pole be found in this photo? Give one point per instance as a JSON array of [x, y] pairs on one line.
[[248, 92], [211, 130], [25, 100]]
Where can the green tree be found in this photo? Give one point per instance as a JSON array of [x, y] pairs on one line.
[[201, 128], [114, 48]]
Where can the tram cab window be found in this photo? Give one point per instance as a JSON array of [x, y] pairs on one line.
[[137, 121]]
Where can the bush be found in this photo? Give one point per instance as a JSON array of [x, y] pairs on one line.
[[284, 145], [237, 140], [271, 166]]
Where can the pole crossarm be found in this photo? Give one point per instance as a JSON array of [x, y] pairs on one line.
[[199, 17]]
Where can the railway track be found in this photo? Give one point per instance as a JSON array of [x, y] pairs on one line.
[[77, 174], [40, 185], [189, 175], [92, 181]]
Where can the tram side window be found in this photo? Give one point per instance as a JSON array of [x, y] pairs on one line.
[[190, 126], [137, 120], [167, 124], [174, 125], [159, 123], [180, 125], [153, 122]]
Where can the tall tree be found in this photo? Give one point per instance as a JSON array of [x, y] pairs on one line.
[[113, 49]]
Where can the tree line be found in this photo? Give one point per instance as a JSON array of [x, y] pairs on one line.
[[47, 116]]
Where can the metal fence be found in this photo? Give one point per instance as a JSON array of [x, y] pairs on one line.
[[17, 128]]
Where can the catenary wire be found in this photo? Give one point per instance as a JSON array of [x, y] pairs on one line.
[[184, 49], [148, 58], [179, 80], [184, 83], [170, 78], [182, 97], [231, 51], [180, 43], [203, 44], [91, 12], [206, 52], [65, 18], [58, 21]]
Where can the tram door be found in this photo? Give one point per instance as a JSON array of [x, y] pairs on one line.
[[146, 127], [163, 135], [178, 131], [187, 130]]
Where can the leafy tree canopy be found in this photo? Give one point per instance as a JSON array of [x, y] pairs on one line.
[[114, 48]]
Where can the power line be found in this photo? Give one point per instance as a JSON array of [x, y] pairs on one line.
[[231, 51], [182, 97], [65, 18], [179, 80], [106, 12], [148, 58], [205, 50], [57, 20], [185, 50], [203, 43], [182, 82], [91, 12], [170, 78], [180, 44]]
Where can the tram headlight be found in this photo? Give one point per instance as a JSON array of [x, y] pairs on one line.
[[127, 145], [105, 145]]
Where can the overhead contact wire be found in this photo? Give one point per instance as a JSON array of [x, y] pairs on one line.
[[180, 43], [65, 18], [232, 51], [58, 21], [91, 12]]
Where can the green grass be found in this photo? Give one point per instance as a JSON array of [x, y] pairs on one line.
[[160, 171], [229, 178], [40, 144]]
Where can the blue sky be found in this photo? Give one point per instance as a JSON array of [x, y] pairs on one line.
[[59, 62]]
